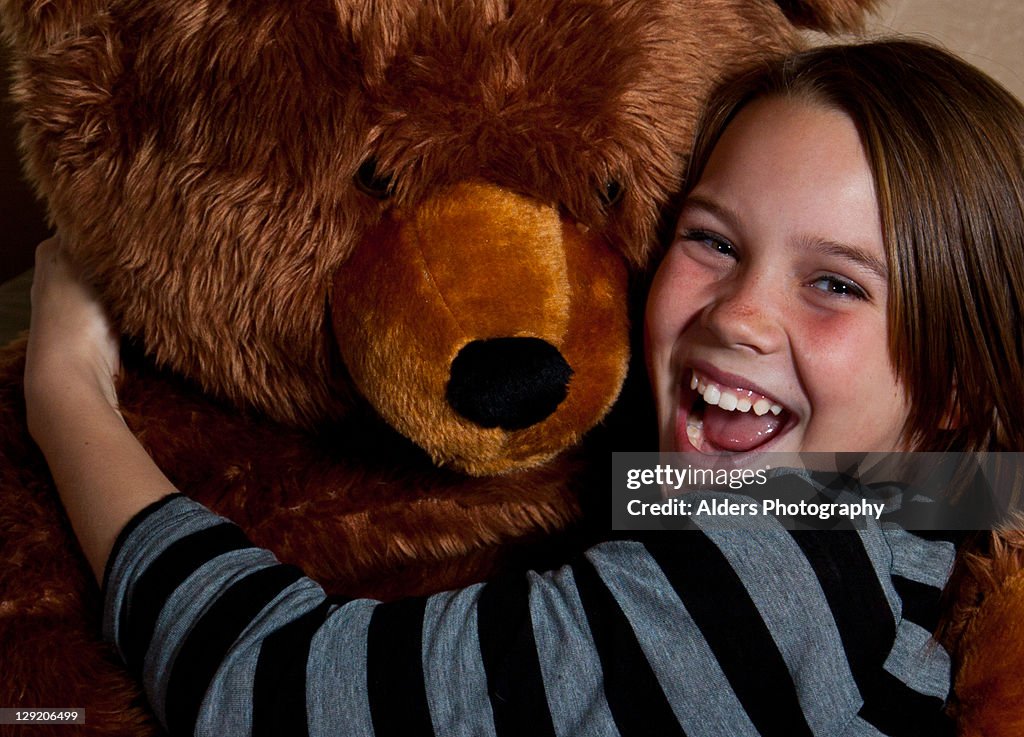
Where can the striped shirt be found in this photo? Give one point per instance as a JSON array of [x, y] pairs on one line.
[[696, 632]]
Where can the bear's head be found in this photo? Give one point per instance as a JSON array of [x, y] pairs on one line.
[[432, 206]]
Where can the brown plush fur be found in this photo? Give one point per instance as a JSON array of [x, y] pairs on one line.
[[200, 157], [984, 629]]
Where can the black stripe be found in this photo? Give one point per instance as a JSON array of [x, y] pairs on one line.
[[854, 594], [717, 600], [170, 569], [128, 529], [635, 697], [921, 602], [867, 629], [896, 709], [394, 670], [204, 648], [515, 683], [279, 684]]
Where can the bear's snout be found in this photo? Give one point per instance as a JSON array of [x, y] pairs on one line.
[[511, 383], [485, 326]]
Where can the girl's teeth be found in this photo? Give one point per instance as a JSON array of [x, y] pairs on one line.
[[695, 431], [723, 398]]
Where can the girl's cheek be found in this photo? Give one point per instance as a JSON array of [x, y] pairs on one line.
[[837, 341], [663, 301], [680, 284]]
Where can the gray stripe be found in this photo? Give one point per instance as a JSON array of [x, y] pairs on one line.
[[177, 518], [185, 608], [925, 561], [568, 659], [788, 595], [453, 669], [227, 707], [919, 661], [700, 695], [336, 694]]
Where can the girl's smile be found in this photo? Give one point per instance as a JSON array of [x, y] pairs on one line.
[[767, 320]]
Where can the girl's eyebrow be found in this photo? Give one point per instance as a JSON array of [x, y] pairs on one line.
[[857, 255], [723, 213]]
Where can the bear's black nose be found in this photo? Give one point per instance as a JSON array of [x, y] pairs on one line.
[[509, 383]]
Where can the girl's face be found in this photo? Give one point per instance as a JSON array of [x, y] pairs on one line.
[[766, 322]]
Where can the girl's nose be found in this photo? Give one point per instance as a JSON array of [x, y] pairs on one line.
[[743, 313]]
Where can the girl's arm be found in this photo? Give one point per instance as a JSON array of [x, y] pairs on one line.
[[71, 406]]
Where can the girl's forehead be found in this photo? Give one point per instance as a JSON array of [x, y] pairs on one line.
[[785, 132], [776, 144]]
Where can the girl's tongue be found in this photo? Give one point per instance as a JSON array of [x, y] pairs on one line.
[[739, 431]]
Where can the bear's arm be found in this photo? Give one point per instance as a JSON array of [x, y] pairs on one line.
[[696, 632]]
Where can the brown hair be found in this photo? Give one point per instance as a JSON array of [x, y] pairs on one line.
[[944, 143]]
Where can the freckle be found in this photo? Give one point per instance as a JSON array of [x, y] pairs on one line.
[[745, 312]]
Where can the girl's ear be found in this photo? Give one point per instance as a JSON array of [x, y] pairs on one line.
[[830, 16]]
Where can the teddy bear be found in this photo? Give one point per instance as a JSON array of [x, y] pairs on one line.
[[372, 260]]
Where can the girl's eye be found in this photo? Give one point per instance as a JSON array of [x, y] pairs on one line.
[[839, 286], [709, 240]]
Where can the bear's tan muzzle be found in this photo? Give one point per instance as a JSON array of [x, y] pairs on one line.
[[484, 326]]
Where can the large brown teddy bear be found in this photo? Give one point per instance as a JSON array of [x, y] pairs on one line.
[[372, 259]]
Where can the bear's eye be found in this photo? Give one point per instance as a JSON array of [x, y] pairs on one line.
[[611, 193], [369, 181]]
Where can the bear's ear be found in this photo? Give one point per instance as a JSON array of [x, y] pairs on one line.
[[831, 16], [30, 26]]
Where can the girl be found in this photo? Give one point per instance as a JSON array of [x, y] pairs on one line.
[[914, 312], [846, 275]]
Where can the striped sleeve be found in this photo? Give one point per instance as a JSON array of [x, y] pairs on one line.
[[701, 632]]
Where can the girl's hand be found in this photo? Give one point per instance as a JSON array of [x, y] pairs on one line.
[[72, 348]]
